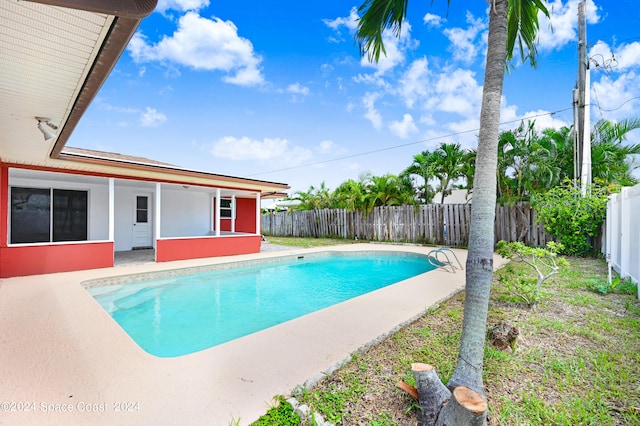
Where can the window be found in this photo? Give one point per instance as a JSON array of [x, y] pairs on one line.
[[36, 219], [226, 208], [142, 209]]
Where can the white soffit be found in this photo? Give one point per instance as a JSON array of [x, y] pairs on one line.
[[46, 53]]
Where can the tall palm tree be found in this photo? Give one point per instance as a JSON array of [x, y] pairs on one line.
[[424, 166], [510, 21], [449, 166]]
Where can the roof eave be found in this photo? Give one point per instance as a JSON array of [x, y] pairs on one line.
[[162, 168], [128, 15]]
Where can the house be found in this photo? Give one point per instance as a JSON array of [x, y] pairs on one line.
[[65, 209]]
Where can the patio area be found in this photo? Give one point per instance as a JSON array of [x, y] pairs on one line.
[[65, 356]]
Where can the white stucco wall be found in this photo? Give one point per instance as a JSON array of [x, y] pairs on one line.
[[185, 213], [98, 200]]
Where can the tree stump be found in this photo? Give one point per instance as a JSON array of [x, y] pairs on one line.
[[467, 407], [432, 393], [503, 336]]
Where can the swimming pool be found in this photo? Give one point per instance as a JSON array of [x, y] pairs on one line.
[[173, 313]]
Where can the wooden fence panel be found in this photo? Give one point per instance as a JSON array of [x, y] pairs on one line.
[[424, 224]]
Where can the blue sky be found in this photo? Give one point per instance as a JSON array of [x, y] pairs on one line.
[[277, 90]]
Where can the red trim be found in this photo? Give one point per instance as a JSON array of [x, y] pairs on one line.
[[18, 261], [195, 248], [4, 204]]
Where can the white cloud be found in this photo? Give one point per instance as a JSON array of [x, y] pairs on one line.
[[298, 89], [203, 44], [414, 84], [403, 129], [151, 117], [464, 43], [616, 96], [351, 21], [181, 5], [622, 58], [371, 113], [458, 92], [330, 147], [562, 28], [395, 47], [432, 20], [544, 120], [245, 148]]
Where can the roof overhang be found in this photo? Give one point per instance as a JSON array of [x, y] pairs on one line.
[[55, 55]]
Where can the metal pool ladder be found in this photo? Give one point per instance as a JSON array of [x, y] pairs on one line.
[[440, 258]]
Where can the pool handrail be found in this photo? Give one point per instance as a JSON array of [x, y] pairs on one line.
[[434, 259]]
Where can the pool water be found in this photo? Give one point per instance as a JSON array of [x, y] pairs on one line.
[[175, 316]]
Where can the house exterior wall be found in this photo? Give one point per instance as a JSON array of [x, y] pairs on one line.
[[98, 208], [186, 221], [246, 215], [16, 261], [195, 248], [185, 213], [125, 212], [44, 258]]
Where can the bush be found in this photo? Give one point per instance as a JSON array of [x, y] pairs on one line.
[[544, 261], [571, 218]]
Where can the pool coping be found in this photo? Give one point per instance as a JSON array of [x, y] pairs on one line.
[[61, 349]]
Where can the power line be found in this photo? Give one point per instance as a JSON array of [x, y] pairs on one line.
[[619, 106], [403, 145]]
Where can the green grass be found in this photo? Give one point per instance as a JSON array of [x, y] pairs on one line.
[[281, 414], [577, 360], [308, 242]]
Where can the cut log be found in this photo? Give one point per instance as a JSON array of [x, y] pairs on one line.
[[411, 390], [467, 407], [432, 393]]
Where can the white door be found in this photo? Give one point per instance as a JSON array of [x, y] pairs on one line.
[[142, 222]]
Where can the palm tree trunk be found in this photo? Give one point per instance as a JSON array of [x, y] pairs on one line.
[[479, 267]]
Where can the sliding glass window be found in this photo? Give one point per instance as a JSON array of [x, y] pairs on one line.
[[35, 219]]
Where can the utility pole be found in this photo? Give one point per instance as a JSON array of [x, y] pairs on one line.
[[582, 145]]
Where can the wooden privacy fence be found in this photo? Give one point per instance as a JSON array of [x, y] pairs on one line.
[[439, 224]]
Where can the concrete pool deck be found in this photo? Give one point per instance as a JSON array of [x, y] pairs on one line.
[[64, 360]]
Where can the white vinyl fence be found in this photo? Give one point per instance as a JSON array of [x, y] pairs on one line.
[[623, 233]]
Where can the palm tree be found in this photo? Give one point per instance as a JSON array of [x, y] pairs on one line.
[[387, 190], [449, 166], [350, 195], [314, 198], [526, 164], [509, 21], [609, 157], [424, 166], [562, 141], [468, 170]]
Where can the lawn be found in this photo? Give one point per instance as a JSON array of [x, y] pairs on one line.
[[576, 360]]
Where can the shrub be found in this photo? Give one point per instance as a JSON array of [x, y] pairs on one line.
[[544, 261], [570, 217]]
